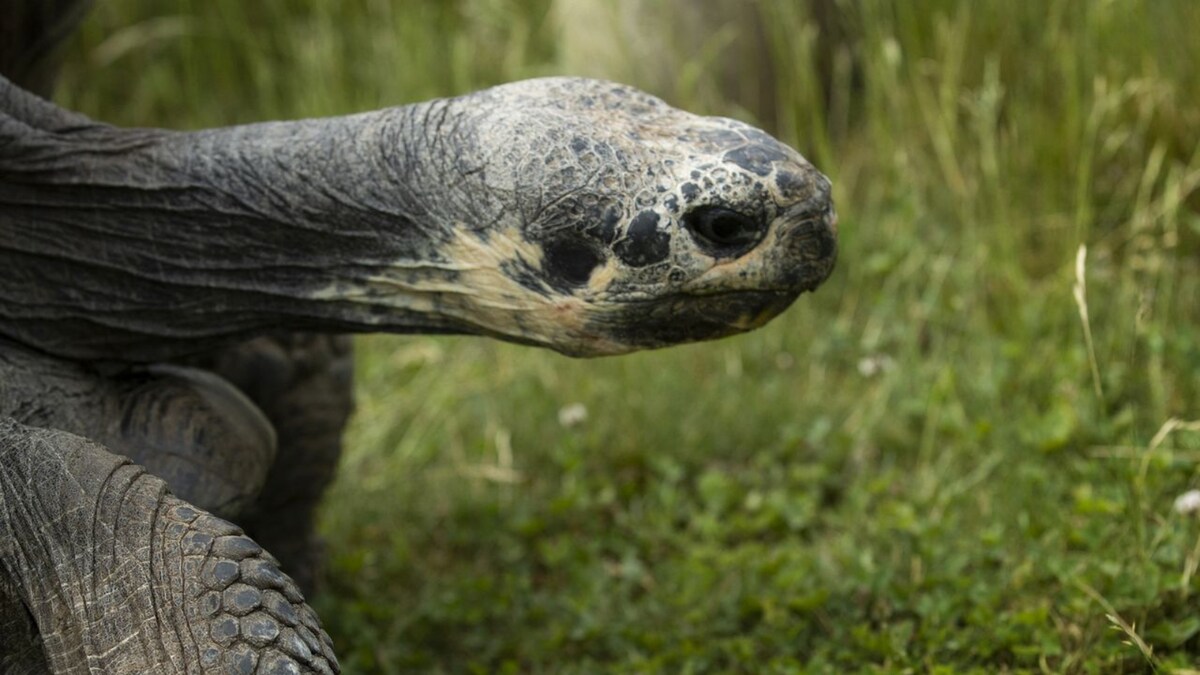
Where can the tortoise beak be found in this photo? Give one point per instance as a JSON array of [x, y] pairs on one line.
[[808, 243]]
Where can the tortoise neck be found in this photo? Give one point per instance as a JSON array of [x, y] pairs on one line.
[[138, 245]]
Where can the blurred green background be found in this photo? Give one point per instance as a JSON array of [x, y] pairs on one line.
[[933, 464]]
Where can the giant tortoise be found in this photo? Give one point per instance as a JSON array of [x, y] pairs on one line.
[[173, 311]]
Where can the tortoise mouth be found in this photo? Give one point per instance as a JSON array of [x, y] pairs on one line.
[[682, 318]]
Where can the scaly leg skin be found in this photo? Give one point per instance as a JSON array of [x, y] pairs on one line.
[[120, 576], [189, 427], [303, 382]]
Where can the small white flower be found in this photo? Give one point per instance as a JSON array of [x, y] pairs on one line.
[[891, 52], [1188, 502], [572, 415], [870, 366]]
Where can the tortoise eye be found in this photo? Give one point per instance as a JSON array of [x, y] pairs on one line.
[[722, 232]]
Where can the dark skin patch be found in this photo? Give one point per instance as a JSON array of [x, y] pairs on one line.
[[690, 191], [791, 185], [643, 244], [756, 158], [569, 262], [604, 229]]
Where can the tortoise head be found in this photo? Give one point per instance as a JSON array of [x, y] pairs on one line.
[[573, 214], [594, 219]]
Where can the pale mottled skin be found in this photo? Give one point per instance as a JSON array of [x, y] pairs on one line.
[[173, 297]]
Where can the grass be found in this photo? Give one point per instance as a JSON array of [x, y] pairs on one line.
[[960, 455]]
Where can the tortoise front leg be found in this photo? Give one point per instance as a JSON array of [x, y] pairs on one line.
[[119, 576], [303, 382], [191, 428]]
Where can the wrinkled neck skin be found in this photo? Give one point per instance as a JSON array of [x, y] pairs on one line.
[[145, 244]]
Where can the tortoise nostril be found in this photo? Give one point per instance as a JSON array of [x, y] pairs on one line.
[[721, 232]]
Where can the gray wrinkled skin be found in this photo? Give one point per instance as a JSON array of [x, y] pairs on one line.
[[550, 212], [166, 297]]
